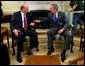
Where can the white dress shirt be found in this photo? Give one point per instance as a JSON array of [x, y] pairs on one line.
[[22, 15], [57, 14]]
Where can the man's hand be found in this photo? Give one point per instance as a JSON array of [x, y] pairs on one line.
[[32, 24], [61, 31], [71, 10], [37, 21], [16, 32]]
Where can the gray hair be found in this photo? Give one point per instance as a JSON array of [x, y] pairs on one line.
[[55, 6]]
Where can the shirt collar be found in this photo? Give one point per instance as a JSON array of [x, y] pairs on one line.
[[57, 13], [22, 12]]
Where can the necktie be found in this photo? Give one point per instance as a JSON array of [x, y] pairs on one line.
[[56, 20], [25, 23]]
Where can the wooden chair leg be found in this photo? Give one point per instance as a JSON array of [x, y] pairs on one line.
[[82, 46], [71, 50], [8, 41], [72, 44], [81, 41], [13, 48]]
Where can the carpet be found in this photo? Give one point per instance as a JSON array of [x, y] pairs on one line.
[[42, 60]]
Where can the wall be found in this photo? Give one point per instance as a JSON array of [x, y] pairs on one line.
[[43, 5], [10, 6], [13, 6]]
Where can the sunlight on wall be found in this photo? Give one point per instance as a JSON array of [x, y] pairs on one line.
[[10, 6], [13, 6]]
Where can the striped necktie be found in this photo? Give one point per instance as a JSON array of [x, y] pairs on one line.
[[25, 23], [55, 20]]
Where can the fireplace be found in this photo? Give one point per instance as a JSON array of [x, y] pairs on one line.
[[41, 15]]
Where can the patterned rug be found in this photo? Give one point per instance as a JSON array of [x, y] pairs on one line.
[[42, 60]]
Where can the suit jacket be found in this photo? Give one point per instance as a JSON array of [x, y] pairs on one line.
[[16, 21], [61, 19]]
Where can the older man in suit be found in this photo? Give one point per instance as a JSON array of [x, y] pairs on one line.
[[58, 25], [21, 25]]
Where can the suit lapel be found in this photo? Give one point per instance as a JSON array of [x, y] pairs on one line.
[[20, 18], [52, 17], [59, 16], [52, 20]]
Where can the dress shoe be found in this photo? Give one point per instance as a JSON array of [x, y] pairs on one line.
[[13, 52], [63, 56], [29, 52], [19, 58], [50, 52], [37, 49], [71, 51]]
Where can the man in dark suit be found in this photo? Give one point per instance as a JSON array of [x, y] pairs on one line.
[[58, 25], [21, 24], [4, 55], [78, 18]]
